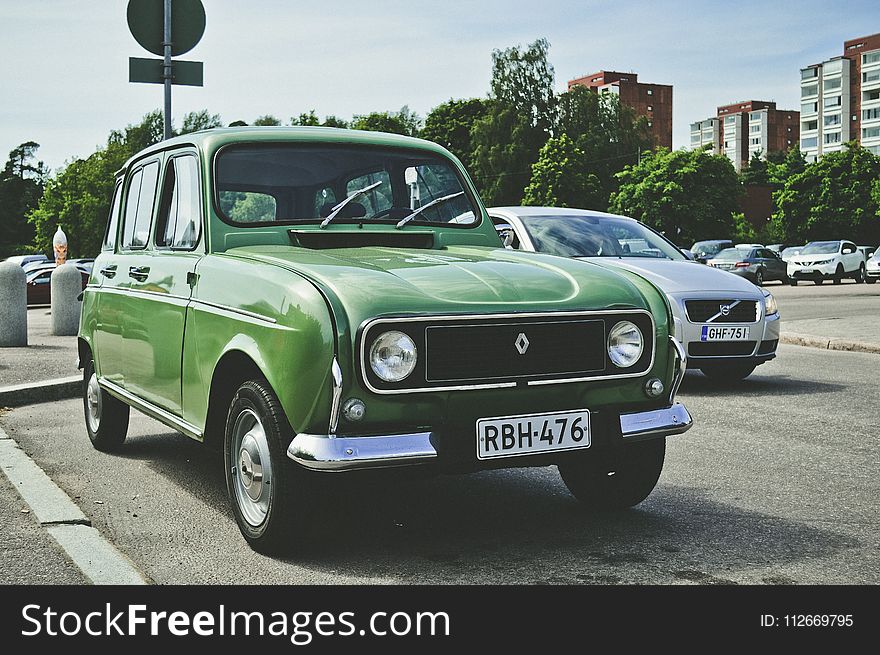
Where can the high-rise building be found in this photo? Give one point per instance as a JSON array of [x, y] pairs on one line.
[[743, 129], [840, 100], [653, 101]]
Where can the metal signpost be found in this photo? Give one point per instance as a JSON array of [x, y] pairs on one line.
[[166, 29]]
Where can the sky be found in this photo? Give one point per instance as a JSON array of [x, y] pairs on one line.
[[64, 74]]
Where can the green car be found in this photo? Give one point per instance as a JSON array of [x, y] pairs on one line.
[[314, 300]]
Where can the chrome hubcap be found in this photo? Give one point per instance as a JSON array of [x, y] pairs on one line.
[[251, 467], [93, 403]]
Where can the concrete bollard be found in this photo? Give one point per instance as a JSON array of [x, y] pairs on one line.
[[13, 305], [66, 306]]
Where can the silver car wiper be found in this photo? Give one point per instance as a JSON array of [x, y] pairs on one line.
[[406, 219], [338, 208]]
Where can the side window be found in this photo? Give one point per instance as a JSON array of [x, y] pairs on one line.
[[179, 217], [113, 221], [139, 206], [377, 200]]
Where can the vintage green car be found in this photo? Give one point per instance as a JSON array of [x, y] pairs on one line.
[[317, 300]]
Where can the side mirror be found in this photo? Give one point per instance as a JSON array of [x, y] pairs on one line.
[[687, 253]]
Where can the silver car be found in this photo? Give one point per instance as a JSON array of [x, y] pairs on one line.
[[727, 324]]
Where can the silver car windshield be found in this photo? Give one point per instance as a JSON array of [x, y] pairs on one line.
[[572, 235]]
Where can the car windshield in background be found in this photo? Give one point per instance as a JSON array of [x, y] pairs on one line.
[[705, 248], [288, 183], [569, 235], [821, 248], [791, 251], [733, 254]]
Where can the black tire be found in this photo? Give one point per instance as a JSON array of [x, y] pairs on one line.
[[860, 274], [870, 280], [615, 480], [793, 282], [285, 490], [818, 281], [759, 278], [730, 372], [106, 416], [838, 274]]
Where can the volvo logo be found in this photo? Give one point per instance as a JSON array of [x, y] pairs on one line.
[[725, 309], [521, 343]]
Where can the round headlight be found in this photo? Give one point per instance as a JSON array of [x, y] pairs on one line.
[[393, 356], [625, 344]]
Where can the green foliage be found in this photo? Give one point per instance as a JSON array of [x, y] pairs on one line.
[[686, 195], [267, 120], [756, 171], [522, 79], [311, 119], [200, 120], [334, 121], [401, 122], [743, 231], [559, 178], [449, 124], [836, 197], [21, 185]]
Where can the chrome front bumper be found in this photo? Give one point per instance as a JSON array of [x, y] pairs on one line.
[[331, 453]]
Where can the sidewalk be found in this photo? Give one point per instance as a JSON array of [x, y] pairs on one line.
[[834, 334]]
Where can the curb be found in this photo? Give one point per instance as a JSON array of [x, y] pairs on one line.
[[40, 392], [829, 344]]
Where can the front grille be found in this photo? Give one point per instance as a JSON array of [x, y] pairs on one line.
[[720, 348], [490, 351], [700, 311]]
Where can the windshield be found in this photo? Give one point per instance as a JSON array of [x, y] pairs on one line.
[[788, 252], [821, 248], [703, 248], [572, 235], [259, 184], [734, 254]]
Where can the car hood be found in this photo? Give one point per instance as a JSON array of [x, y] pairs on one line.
[[375, 280], [680, 277], [813, 258]]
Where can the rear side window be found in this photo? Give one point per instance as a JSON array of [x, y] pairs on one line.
[[180, 212], [139, 206], [113, 221]]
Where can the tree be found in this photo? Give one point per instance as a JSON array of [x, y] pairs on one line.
[[686, 195], [310, 119], [756, 171], [559, 178], [836, 197], [449, 124], [400, 122], [200, 120], [267, 120], [522, 79], [333, 121], [21, 186], [791, 162]]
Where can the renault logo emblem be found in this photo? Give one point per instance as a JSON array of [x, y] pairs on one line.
[[725, 310], [521, 343]]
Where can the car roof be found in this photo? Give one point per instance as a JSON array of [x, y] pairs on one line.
[[557, 211]]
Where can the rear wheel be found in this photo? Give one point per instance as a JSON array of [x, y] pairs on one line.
[[269, 493], [818, 281], [615, 480], [735, 371], [860, 274], [106, 416], [838, 274], [759, 278]]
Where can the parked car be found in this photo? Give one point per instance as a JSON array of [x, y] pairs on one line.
[[341, 300], [867, 251], [744, 246], [23, 260], [705, 250], [728, 325], [787, 253], [756, 264], [39, 287], [778, 247], [827, 260], [872, 268]]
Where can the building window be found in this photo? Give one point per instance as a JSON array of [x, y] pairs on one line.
[[833, 66], [834, 101], [809, 73], [875, 150], [871, 76], [809, 107], [650, 108], [831, 84], [832, 137], [650, 92], [812, 142], [755, 141], [833, 119], [788, 129], [729, 120], [806, 126], [868, 96], [871, 57], [788, 142], [755, 128], [695, 138], [811, 90], [870, 114], [870, 132]]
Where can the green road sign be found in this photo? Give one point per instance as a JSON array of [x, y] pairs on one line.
[[145, 20], [187, 73]]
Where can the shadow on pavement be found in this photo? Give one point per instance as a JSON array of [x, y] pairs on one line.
[[697, 384]]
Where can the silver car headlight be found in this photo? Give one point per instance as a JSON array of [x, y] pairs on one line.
[[625, 344], [393, 356], [770, 306]]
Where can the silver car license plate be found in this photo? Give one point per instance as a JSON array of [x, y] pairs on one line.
[[725, 333], [511, 436]]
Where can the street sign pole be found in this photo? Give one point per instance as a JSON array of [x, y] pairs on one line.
[[166, 71]]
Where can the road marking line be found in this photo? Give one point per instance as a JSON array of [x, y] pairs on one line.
[[65, 522]]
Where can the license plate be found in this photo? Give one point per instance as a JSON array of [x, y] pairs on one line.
[[511, 436], [726, 333], [806, 270]]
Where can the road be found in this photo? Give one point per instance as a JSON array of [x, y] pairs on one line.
[[776, 484]]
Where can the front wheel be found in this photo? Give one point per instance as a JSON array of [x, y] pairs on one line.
[[838, 274], [266, 489], [736, 371], [792, 281], [870, 280], [616, 480], [860, 274], [759, 278], [106, 416]]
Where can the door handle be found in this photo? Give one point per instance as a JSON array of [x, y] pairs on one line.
[[139, 273], [108, 271]]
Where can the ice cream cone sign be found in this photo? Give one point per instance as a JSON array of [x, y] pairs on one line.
[[59, 245]]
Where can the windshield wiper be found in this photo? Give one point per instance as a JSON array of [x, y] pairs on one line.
[[338, 208], [406, 219]]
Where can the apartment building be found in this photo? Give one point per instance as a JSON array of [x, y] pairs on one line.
[[653, 101], [840, 100], [742, 129]]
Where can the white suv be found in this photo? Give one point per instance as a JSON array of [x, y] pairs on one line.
[[827, 260]]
